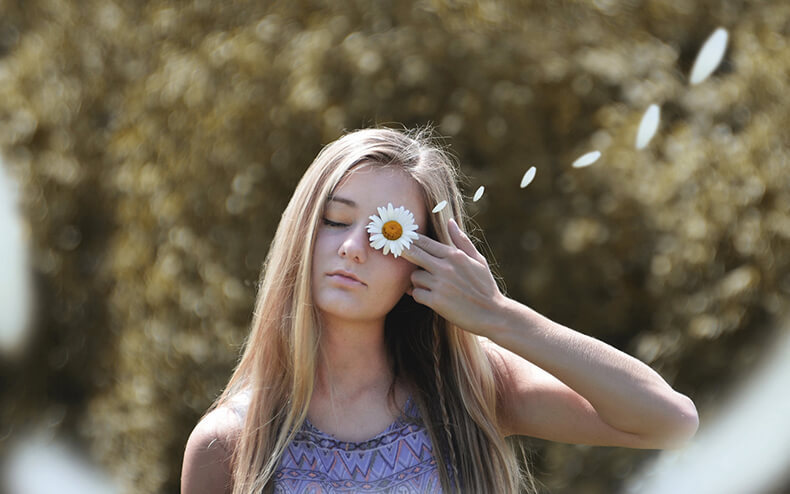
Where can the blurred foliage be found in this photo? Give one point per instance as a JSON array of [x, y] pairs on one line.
[[157, 143]]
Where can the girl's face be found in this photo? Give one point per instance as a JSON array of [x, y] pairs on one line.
[[342, 244]]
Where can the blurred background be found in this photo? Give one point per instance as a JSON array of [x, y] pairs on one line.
[[154, 145]]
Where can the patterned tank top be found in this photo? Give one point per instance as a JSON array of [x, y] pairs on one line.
[[398, 460]]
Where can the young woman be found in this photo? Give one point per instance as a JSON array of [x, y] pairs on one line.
[[384, 358]]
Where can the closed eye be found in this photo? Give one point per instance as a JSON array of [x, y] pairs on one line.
[[333, 224]]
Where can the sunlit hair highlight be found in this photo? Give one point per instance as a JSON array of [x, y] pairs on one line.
[[437, 359]]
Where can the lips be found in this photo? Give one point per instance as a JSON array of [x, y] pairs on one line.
[[346, 274]]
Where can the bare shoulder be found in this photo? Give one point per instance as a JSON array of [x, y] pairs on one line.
[[207, 457]]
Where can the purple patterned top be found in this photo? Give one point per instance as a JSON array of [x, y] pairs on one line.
[[398, 460]]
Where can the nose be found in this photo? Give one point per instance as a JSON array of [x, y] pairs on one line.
[[355, 245]]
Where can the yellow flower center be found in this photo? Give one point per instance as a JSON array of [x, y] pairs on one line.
[[392, 230]]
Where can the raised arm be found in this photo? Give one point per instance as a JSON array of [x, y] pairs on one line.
[[561, 385], [566, 386]]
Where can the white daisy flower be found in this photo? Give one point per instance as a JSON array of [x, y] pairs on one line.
[[479, 193], [393, 229], [439, 207]]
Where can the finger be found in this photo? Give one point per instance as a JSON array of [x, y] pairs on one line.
[[415, 255], [463, 242], [422, 279], [431, 246], [422, 296]]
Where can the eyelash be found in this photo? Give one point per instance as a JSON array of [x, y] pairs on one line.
[[333, 224]]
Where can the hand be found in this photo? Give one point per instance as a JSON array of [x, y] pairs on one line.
[[455, 281]]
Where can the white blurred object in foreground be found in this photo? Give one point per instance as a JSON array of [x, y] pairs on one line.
[[15, 282], [39, 466], [745, 450]]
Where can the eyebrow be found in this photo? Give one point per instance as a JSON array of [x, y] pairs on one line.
[[342, 200]]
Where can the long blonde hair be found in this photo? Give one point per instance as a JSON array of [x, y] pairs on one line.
[[436, 358]]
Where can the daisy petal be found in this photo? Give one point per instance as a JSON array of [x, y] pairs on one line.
[[439, 207], [709, 56], [479, 193], [648, 126], [587, 159], [528, 177]]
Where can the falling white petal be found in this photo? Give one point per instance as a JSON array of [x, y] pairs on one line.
[[479, 193], [587, 159], [528, 177], [648, 126], [15, 282], [40, 466], [709, 56], [439, 207]]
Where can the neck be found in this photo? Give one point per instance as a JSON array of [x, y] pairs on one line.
[[353, 361]]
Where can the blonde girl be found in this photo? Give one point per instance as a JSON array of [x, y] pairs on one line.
[[398, 365]]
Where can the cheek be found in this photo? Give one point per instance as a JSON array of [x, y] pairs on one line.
[[321, 254], [401, 272], [325, 245]]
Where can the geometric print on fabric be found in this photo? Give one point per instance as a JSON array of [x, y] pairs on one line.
[[399, 460]]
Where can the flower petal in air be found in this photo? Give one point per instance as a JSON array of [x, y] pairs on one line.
[[528, 177], [439, 207], [709, 56], [648, 126], [587, 159], [479, 193]]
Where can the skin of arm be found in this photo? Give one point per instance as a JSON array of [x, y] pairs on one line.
[[207, 457], [575, 388], [560, 384]]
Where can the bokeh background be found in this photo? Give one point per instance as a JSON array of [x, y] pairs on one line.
[[155, 145]]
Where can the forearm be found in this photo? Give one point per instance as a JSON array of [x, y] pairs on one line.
[[626, 393]]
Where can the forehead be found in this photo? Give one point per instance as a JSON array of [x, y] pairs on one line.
[[370, 187]]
